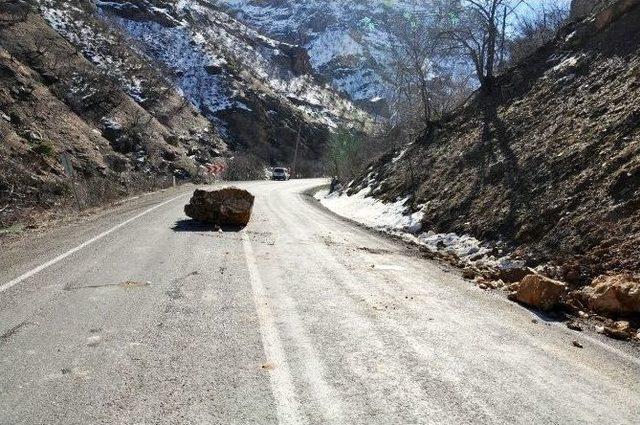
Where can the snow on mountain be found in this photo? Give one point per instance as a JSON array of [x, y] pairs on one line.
[[236, 76], [346, 40]]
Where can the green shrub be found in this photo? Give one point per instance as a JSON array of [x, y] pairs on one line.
[[43, 148], [345, 154]]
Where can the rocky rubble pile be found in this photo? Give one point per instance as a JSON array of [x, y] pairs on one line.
[[617, 295], [611, 303]]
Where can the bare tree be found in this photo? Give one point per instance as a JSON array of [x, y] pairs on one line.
[[537, 28], [425, 81], [477, 30], [139, 127], [245, 166], [91, 93], [345, 154], [412, 50]]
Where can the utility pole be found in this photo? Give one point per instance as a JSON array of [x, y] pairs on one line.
[[295, 153]]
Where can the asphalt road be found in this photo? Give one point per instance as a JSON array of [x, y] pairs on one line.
[[136, 316]]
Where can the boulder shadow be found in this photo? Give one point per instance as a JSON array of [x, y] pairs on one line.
[[189, 225], [547, 316]]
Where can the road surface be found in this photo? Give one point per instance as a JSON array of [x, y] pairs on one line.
[[140, 317]]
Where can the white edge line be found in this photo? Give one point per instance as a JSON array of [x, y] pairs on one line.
[[287, 404], [72, 251]]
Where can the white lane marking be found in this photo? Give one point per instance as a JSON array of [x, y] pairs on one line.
[[287, 404], [314, 370], [72, 251]]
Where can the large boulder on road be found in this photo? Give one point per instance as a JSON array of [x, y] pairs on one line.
[[224, 207], [540, 292], [613, 295]]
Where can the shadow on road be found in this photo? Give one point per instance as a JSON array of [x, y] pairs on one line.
[[548, 317], [197, 226]]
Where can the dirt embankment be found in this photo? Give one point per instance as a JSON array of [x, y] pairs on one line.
[[549, 165]]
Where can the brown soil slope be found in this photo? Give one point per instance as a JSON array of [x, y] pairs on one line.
[[549, 165], [54, 102]]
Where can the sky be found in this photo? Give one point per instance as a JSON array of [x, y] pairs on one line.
[[532, 6]]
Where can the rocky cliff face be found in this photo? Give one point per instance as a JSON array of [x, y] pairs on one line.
[[259, 92], [348, 42], [548, 167]]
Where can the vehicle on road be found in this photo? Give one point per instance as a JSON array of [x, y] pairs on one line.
[[280, 173]]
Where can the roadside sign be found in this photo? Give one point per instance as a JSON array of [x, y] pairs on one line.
[[217, 167]]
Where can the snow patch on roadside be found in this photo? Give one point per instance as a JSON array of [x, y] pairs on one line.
[[394, 218], [372, 212]]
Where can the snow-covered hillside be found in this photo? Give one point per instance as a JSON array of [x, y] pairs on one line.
[[233, 74], [346, 40]]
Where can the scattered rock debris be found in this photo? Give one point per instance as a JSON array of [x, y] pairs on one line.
[[133, 284], [574, 326], [619, 330], [469, 273], [94, 340]]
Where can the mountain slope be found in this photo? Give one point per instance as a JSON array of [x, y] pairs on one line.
[[259, 92], [121, 138], [549, 166], [348, 42], [137, 93]]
